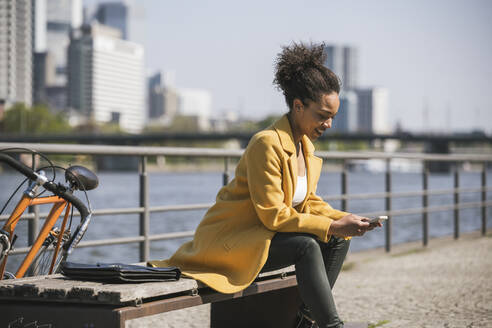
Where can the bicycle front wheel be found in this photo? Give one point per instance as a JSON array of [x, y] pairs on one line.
[[42, 263]]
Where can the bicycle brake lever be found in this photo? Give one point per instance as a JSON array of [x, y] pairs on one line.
[[79, 233]]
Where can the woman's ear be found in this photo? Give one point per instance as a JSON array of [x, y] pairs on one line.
[[297, 104]]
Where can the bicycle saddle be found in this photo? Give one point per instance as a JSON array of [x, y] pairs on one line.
[[81, 177]]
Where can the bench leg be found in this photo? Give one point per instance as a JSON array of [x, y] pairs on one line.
[[272, 309]]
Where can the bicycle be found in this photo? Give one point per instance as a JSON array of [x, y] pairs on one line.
[[53, 244]]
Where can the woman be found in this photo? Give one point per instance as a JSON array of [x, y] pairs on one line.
[[269, 216]]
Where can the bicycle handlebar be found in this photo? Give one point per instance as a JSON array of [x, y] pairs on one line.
[[49, 185], [27, 171], [53, 187]]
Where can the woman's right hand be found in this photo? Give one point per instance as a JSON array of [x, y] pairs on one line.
[[350, 225]]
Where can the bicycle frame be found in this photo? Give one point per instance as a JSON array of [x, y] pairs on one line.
[[59, 204]]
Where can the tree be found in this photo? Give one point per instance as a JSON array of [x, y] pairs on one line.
[[36, 120]]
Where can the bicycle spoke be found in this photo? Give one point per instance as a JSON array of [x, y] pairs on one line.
[[42, 262]]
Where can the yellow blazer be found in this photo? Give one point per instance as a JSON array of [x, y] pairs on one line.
[[231, 244]]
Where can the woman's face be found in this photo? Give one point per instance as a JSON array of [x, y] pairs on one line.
[[313, 118]]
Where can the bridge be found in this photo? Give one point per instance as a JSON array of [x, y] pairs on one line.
[[244, 137], [433, 143]]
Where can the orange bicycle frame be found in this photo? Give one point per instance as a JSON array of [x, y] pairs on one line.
[[59, 204]]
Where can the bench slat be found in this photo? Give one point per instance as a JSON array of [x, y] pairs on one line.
[[58, 288]]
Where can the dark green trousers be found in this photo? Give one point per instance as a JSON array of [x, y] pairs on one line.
[[317, 267]]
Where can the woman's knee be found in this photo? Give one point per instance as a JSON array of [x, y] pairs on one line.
[[308, 246]]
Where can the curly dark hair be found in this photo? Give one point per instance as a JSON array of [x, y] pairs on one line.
[[300, 73]]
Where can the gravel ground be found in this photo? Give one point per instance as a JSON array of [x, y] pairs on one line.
[[447, 284]]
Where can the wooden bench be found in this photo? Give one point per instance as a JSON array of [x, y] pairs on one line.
[[271, 300]]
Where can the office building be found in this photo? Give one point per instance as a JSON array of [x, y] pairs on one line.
[[65, 12], [346, 119], [44, 69], [53, 21], [361, 109], [43, 76], [62, 17], [195, 105], [155, 96], [342, 60], [373, 110], [16, 17], [106, 77], [196, 102], [162, 101], [45, 90], [39, 25], [114, 14]]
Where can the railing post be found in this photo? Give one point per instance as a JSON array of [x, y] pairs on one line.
[[33, 225], [144, 217], [388, 204], [484, 198], [425, 204], [225, 175], [456, 202], [344, 186]]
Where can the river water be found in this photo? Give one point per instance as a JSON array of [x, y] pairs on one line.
[[121, 190]]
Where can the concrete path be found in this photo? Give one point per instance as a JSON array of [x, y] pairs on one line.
[[447, 284]]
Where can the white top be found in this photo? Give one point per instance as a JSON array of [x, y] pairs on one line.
[[301, 190]]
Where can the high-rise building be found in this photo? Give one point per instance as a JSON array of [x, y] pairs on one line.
[[155, 96], [361, 109], [346, 119], [65, 12], [114, 14], [43, 66], [62, 17], [342, 60], [43, 76], [373, 110], [16, 17], [40, 28], [106, 77], [162, 100], [53, 21], [196, 104], [350, 67]]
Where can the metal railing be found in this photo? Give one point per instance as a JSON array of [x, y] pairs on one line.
[[144, 238]]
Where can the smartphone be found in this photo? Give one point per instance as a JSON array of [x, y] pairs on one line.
[[378, 219]]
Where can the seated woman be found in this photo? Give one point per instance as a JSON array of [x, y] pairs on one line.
[[269, 215]]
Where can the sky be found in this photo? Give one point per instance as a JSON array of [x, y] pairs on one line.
[[433, 54]]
